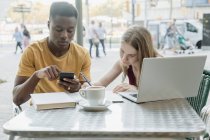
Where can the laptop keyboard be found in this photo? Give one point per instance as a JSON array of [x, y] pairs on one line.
[[134, 95]]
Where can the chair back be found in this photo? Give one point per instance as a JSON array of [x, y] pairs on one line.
[[199, 101], [16, 109]]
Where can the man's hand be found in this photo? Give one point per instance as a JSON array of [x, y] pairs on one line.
[[70, 85], [50, 72], [124, 87]]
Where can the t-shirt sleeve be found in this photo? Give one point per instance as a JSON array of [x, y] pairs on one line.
[[26, 65], [86, 66]]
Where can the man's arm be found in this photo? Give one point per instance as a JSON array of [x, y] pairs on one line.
[[23, 87]]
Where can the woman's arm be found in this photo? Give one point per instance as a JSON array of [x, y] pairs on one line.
[[110, 76]]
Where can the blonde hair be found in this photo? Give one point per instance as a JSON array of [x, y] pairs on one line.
[[141, 40]]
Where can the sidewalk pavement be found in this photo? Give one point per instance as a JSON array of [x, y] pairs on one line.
[[9, 64]]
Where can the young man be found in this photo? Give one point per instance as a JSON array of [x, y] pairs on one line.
[[43, 60]]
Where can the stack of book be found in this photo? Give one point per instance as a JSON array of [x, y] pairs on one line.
[[52, 100]]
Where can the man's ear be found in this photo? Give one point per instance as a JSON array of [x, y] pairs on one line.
[[48, 24]]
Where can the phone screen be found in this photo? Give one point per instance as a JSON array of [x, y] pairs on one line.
[[69, 75]]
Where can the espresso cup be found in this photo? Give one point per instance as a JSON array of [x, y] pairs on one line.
[[95, 95]]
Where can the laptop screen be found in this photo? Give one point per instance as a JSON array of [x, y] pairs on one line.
[[170, 77]]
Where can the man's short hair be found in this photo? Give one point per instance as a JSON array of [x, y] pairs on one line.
[[63, 9]]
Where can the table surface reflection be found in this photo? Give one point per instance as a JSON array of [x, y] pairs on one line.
[[169, 118]]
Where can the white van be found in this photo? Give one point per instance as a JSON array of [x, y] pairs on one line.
[[190, 29]]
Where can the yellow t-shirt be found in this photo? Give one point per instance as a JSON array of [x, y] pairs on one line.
[[38, 56]]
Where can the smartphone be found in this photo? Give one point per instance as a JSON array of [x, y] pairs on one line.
[[69, 75]]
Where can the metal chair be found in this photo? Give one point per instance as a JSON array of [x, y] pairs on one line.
[[198, 103], [200, 100], [205, 115]]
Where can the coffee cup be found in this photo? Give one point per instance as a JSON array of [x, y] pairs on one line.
[[95, 95]]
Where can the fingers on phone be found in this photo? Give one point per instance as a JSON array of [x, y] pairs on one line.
[[52, 72], [47, 74], [57, 69], [63, 86], [69, 87], [72, 81]]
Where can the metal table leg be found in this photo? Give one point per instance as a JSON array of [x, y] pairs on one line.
[[11, 137]]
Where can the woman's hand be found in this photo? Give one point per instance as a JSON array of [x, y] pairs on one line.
[[124, 87]]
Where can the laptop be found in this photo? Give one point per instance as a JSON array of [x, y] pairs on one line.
[[168, 78]]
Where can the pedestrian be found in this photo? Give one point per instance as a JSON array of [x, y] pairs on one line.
[[18, 38], [136, 44], [93, 38], [26, 36], [102, 35], [171, 35], [43, 60]]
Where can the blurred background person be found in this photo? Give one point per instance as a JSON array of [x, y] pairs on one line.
[[18, 38], [93, 38], [102, 35], [171, 35], [26, 36]]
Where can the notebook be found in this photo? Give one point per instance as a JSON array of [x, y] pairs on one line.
[[168, 78], [52, 100]]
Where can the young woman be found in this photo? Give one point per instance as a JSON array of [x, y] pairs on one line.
[[136, 44]]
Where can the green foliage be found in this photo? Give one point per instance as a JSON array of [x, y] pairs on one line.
[[110, 8], [40, 11], [39, 14]]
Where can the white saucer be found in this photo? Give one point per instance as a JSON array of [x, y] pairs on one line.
[[87, 107]]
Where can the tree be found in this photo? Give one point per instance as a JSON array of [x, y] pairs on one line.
[[39, 14], [110, 8]]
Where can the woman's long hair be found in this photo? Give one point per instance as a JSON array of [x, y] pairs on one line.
[[140, 39]]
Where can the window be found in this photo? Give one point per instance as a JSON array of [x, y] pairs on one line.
[[191, 28]]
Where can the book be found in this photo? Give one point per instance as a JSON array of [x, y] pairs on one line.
[[52, 100]]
